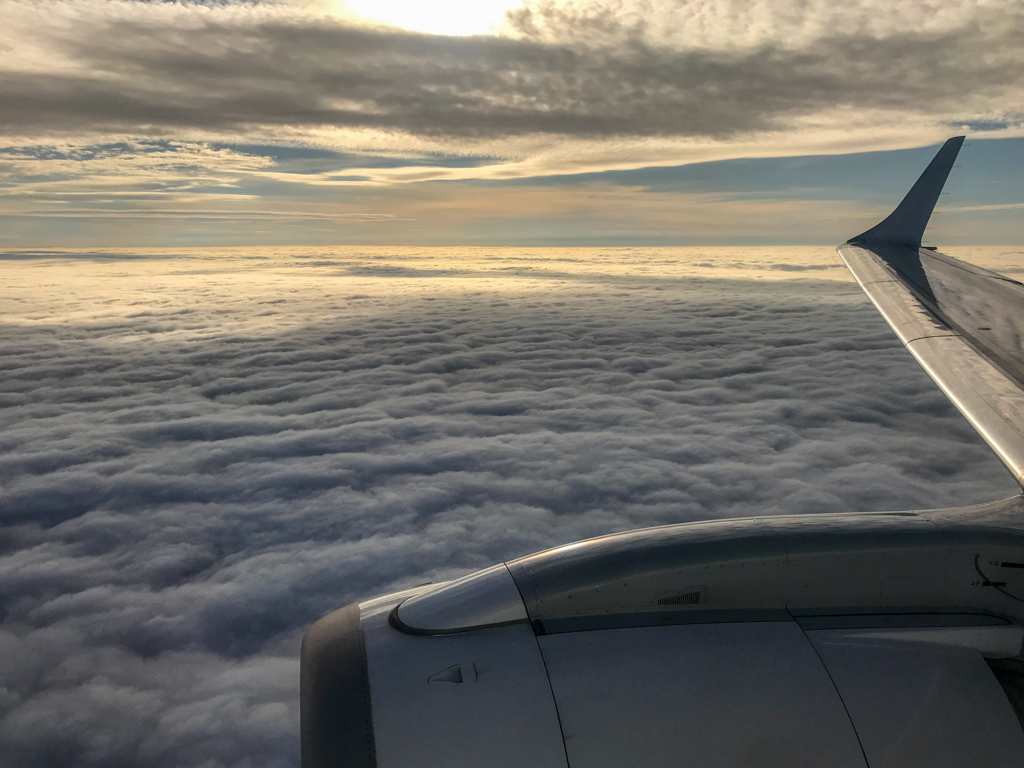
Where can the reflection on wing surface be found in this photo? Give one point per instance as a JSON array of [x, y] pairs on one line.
[[985, 308], [963, 324]]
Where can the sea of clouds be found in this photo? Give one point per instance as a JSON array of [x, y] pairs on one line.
[[202, 452]]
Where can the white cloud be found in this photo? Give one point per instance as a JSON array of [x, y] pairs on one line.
[[560, 93], [204, 452], [138, 110]]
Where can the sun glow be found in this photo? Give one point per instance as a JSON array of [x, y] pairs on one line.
[[440, 17]]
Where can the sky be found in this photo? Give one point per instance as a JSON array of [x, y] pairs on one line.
[[612, 122], [306, 302], [202, 451]]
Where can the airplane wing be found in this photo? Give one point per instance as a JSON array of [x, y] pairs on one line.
[[841, 640], [962, 323]]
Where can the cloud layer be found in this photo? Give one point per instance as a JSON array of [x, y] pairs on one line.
[[677, 70], [203, 452], [114, 108]]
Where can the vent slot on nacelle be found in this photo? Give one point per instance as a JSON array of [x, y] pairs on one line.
[[688, 596]]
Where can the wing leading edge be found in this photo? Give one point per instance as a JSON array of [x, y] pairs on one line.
[[962, 323]]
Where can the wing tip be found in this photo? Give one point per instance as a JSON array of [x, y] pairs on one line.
[[906, 224]]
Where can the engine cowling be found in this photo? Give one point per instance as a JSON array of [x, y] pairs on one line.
[[831, 640]]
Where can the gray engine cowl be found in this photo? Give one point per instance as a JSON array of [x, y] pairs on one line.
[[846, 640], [472, 698]]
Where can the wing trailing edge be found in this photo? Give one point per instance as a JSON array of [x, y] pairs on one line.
[[962, 323]]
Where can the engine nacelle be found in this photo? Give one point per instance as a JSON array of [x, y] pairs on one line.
[[819, 640]]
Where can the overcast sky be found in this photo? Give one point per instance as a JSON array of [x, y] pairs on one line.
[[136, 123]]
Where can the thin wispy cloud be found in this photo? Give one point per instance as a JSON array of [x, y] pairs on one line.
[[119, 67], [203, 96]]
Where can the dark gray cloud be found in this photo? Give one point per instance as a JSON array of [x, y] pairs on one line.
[[198, 464], [590, 76]]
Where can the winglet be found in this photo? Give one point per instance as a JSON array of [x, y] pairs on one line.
[[905, 225]]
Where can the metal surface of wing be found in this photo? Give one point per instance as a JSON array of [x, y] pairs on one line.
[[844, 640], [962, 323]]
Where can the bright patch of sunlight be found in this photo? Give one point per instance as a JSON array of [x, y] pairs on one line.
[[438, 17]]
